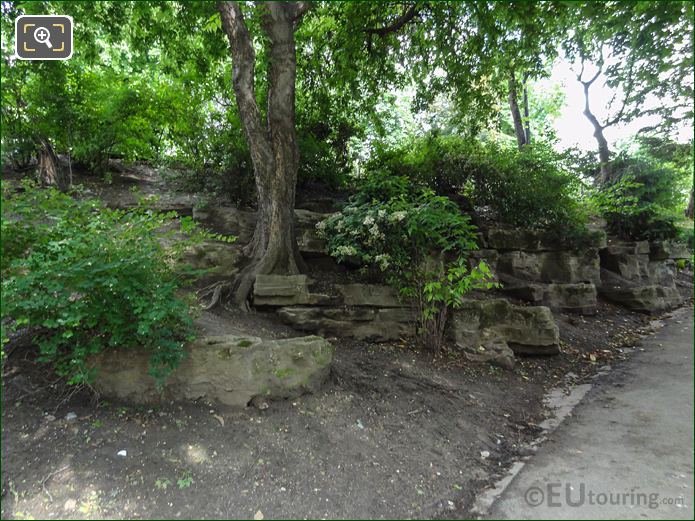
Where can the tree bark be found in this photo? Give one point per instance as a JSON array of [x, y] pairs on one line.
[[604, 152], [527, 119], [273, 143], [50, 173], [689, 209], [516, 113]]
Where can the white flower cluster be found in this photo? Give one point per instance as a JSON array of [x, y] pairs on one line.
[[397, 216], [376, 233], [345, 251], [383, 261], [368, 221]]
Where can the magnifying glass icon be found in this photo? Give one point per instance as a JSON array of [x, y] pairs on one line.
[[43, 35]]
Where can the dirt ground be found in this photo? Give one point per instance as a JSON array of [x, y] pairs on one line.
[[395, 433]]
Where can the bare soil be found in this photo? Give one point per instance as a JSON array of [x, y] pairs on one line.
[[396, 432]]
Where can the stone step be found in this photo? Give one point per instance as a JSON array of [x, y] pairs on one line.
[[363, 323]]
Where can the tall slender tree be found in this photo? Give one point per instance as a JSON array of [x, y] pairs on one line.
[[272, 141]]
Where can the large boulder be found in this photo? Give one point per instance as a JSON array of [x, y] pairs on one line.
[[571, 298], [630, 260], [551, 266], [526, 329], [228, 369], [669, 250], [663, 272], [645, 299], [364, 323]]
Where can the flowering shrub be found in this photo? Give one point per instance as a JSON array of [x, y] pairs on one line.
[[418, 242]]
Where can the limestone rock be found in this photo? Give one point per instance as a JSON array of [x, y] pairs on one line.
[[517, 239], [219, 259], [535, 241], [493, 350], [551, 266], [527, 329], [229, 369], [370, 295], [629, 260], [645, 299], [307, 237], [491, 258], [668, 250], [572, 298], [284, 290], [663, 272], [227, 220], [230, 220], [364, 323]]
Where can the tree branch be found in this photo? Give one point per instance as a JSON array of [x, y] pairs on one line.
[[300, 9], [243, 80], [599, 69], [406, 17], [626, 97]]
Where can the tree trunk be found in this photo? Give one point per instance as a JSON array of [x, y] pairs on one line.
[[689, 209], [273, 143], [516, 113], [50, 173], [527, 119], [604, 153]]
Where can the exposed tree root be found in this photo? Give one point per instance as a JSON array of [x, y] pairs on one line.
[[214, 291]]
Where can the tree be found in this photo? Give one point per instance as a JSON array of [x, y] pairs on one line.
[[643, 50], [273, 142], [521, 126]]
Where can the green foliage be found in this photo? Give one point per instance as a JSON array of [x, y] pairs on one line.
[[185, 481], [641, 201], [418, 241], [162, 483], [87, 278], [531, 188]]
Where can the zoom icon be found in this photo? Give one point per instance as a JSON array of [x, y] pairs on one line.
[[43, 37]]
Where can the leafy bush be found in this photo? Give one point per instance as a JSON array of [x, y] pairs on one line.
[[641, 201], [88, 278], [418, 240], [531, 188], [220, 165]]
